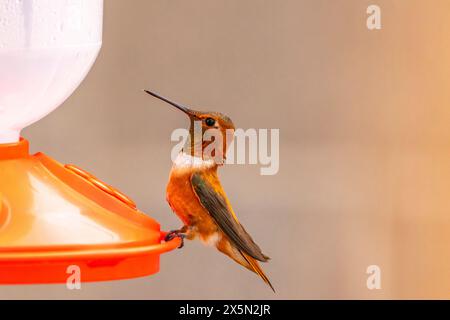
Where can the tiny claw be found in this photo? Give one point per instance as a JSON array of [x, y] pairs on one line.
[[182, 236], [175, 234]]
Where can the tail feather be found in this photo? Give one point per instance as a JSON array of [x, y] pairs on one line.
[[224, 246], [254, 266]]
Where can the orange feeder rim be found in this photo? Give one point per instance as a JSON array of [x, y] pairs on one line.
[[40, 244]]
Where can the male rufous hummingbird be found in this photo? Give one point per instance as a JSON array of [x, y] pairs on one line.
[[195, 194]]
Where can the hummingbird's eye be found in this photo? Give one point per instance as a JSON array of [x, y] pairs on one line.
[[210, 122]]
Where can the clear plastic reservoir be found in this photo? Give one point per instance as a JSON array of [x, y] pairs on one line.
[[46, 49]]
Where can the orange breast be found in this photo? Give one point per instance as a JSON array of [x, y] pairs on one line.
[[184, 202]]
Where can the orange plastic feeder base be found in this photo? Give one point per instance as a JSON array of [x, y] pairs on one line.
[[55, 219]]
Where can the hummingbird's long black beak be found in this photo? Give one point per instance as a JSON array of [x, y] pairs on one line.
[[176, 105]]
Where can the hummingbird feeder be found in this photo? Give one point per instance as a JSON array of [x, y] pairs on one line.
[[54, 216]]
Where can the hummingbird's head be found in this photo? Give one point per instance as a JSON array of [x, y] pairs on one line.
[[213, 125]]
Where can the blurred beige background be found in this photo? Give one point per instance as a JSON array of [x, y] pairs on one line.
[[365, 141]]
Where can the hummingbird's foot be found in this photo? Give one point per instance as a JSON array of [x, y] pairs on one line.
[[176, 234]]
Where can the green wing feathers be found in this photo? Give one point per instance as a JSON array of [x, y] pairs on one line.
[[217, 207]]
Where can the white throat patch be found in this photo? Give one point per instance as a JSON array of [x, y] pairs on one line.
[[185, 160]]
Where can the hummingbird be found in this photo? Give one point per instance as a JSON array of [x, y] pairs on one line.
[[195, 194]]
